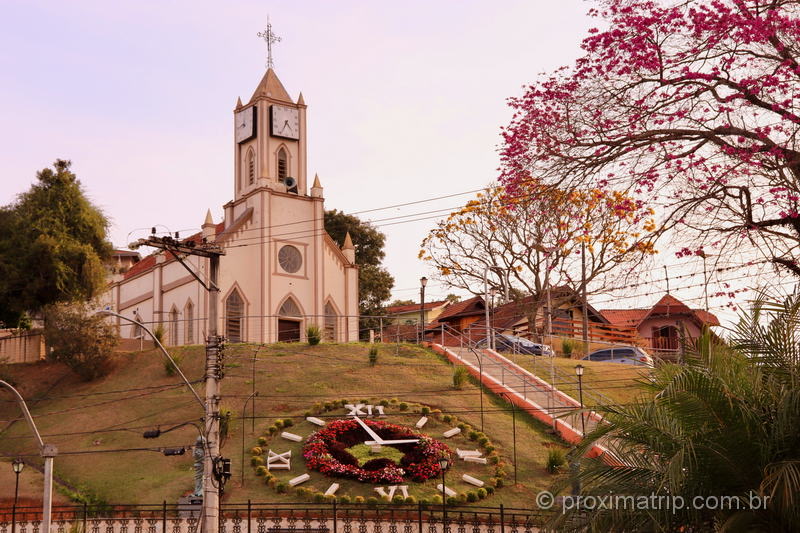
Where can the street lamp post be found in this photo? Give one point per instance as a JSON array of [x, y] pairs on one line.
[[579, 373], [17, 465], [423, 281], [244, 410], [443, 464]]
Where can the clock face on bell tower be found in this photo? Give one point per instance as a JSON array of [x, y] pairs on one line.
[[285, 122]]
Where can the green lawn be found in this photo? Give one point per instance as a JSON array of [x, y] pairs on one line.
[[620, 383], [290, 379]]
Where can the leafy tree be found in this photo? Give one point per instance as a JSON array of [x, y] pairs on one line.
[[53, 244], [374, 282], [508, 234], [723, 424], [401, 302], [690, 105], [80, 339], [452, 298]]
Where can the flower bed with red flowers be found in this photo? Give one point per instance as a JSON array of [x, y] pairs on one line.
[[325, 451]]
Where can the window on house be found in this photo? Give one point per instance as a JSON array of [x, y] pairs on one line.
[[173, 327], [188, 315], [330, 322], [251, 167], [234, 317], [283, 165]]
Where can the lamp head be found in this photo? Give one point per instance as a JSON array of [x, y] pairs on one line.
[[17, 465], [443, 463], [423, 281], [578, 370]]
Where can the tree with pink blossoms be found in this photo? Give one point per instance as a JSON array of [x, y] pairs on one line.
[[691, 106]]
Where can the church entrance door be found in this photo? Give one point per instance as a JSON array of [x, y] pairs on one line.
[[288, 330]]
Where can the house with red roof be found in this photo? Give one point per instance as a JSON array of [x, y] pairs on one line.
[[409, 313], [664, 324], [280, 273]]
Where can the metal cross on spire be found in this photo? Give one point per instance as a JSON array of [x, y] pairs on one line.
[[270, 38]]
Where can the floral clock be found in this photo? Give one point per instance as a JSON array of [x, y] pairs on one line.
[[326, 452]]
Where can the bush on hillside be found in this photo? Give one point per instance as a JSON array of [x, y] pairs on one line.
[[82, 341]]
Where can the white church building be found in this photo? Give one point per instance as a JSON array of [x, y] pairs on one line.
[[281, 271]]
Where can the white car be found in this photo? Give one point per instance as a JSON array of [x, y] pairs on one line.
[[628, 355]]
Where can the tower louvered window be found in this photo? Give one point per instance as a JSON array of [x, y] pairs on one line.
[[251, 167], [283, 165]]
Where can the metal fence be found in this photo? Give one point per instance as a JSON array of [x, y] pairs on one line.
[[278, 518]]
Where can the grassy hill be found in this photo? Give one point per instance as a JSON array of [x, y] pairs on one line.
[[91, 423]]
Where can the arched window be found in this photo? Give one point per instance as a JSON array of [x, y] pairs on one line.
[[283, 165], [188, 315], [289, 308], [234, 317], [331, 317], [251, 167], [173, 327]]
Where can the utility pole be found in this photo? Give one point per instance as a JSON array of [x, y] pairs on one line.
[[214, 365]]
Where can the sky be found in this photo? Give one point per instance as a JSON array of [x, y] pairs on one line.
[[405, 103]]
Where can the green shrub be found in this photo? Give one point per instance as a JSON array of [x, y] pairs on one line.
[[472, 435], [359, 499], [373, 355], [472, 496], [158, 332], [329, 498], [482, 493], [398, 500], [261, 470], [436, 500], [282, 487], [272, 430], [344, 499], [303, 492], [272, 481], [169, 368], [489, 489], [403, 406], [262, 441], [494, 459], [313, 334], [452, 500], [462, 498], [307, 414], [80, 339], [423, 502], [279, 424], [425, 410], [460, 375], [463, 427], [256, 461], [372, 501], [489, 448], [384, 402], [394, 400], [555, 460], [483, 441], [318, 497], [411, 500], [447, 419], [288, 422], [568, 346], [498, 482], [256, 450]]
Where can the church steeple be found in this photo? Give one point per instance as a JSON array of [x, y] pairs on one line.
[[271, 87]]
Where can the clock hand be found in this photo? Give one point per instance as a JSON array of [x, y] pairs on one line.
[[369, 430]]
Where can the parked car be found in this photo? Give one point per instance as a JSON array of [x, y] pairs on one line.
[[628, 355], [511, 343]]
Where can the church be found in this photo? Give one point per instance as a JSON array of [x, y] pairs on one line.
[[281, 271]]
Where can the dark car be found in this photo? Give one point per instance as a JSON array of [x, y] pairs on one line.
[[510, 343], [629, 355]]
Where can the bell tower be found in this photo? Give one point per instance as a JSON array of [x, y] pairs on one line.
[[270, 140]]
